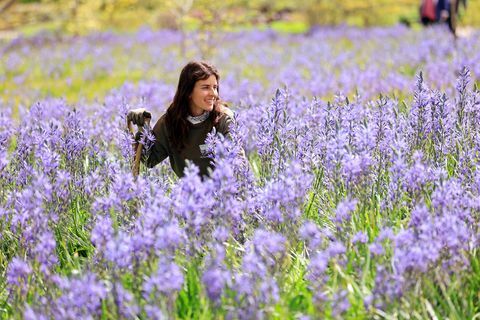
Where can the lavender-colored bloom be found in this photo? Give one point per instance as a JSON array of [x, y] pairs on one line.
[[462, 86], [3, 159], [318, 265], [340, 303], [30, 314], [154, 312], [125, 302], [267, 242], [336, 248], [419, 216], [62, 190], [388, 287], [169, 237], [418, 175], [167, 279], [253, 263], [18, 272], [244, 284], [376, 248], [80, 297], [102, 232], [420, 120], [281, 199], [386, 234], [49, 159], [360, 237], [118, 250], [343, 210], [317, 276], [310, 232], [269, 291], [221, 234], [215, 280], [45, 252]]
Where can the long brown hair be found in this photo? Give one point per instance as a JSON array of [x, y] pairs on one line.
[[176, 117]]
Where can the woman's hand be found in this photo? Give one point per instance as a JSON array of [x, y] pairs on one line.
[[138, 116]]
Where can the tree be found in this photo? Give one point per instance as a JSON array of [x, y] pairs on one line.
[[6, 4]]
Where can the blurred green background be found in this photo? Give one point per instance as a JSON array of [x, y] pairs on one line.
[[83, 16]]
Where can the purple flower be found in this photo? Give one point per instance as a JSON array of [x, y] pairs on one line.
[[310, 232], [221, 234], [154, 312], [340, 303], [244, 284], [386, 234], [269, 292], [3, 159], [281, 199], [419, 216], [418, 175], [268, 243], [420, 114], [254, 264], [118, 250], [45, 252], [215, 280], [388, 287], [360, 237], [125, 302], [30, 314], [80, 297], [376, 248], [318, 265], [18, 272], [167, 279], [336, 248], [169, 237], [102, 232], [317, 276], [344, 208]]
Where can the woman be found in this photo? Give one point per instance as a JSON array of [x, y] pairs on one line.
[[196, 109]]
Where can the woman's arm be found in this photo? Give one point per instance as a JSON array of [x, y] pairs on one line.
[[157, 151], [154, 141]]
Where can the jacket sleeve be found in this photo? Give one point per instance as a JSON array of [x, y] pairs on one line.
[[224, 124], [159, 150]]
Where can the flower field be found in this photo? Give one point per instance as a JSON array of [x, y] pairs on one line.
[[361, 199]]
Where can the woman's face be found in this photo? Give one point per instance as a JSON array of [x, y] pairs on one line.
[[203, 96]]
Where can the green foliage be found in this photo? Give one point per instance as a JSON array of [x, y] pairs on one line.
[[456, 297], [205, 15]]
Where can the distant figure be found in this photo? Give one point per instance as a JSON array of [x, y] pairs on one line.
[[428, 12], [441, 11], [444, 14], [454, 9]]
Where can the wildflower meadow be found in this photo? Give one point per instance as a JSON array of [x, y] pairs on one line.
[[360, 199]]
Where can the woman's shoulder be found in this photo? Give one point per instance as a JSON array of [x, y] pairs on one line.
[[160, 125], [225, 111], [224, 119]]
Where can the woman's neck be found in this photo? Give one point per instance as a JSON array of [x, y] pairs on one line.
[[196, 113], [198, 119]]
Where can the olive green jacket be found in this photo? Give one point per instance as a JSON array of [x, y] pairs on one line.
[[195, 149]]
